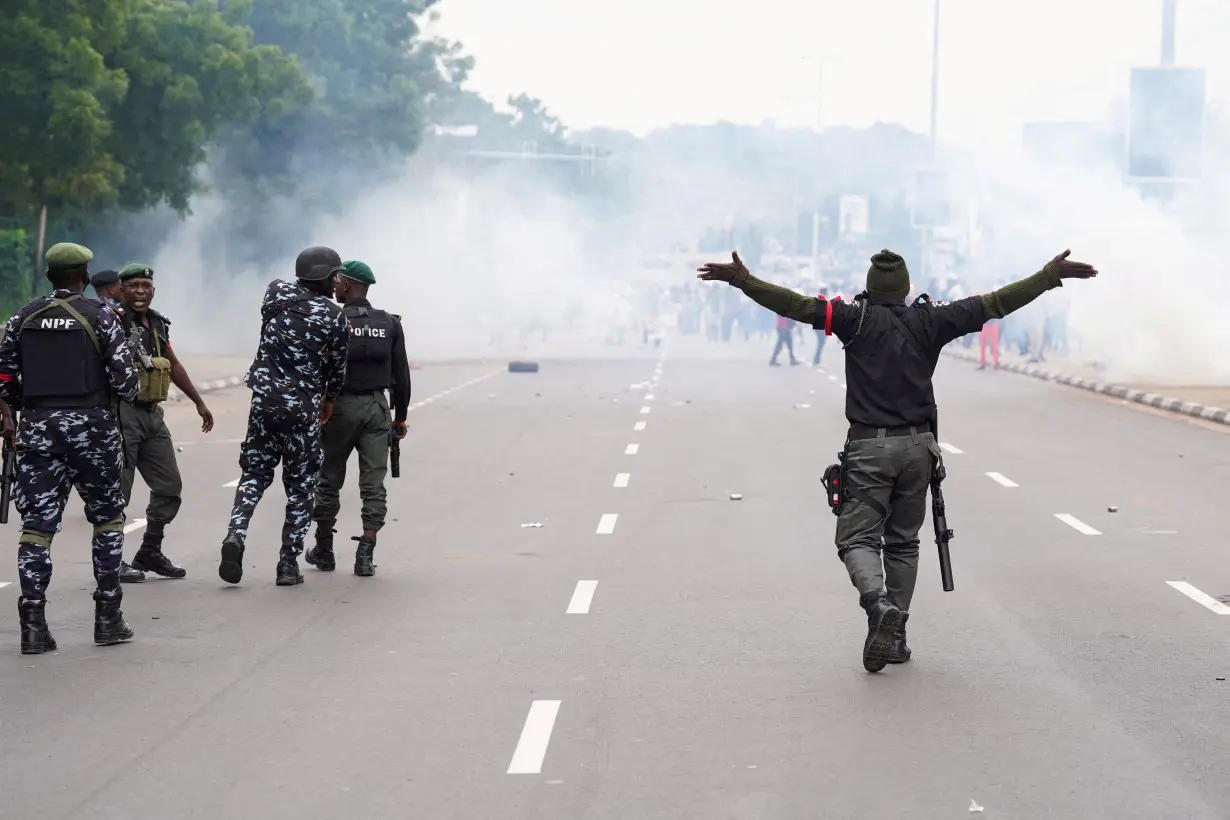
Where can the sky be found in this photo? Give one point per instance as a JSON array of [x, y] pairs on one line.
[[642, 64]]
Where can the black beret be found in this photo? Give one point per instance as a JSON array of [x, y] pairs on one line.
[[104, 278]]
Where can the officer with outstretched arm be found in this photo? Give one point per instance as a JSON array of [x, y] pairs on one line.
[[891, 351], [65, 360]]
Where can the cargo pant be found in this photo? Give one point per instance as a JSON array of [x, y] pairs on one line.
[[148, 448], [55, 450], [286, 433], [881, 551], [360, 421]]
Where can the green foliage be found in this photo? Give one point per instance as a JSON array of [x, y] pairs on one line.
[[16, 268]]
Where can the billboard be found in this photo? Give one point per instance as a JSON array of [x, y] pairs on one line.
[[1165, 135], [854, 216], [933, 199]]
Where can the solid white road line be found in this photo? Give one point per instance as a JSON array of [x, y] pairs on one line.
[[606, 524], [632, 449], [948, 448], [639, 426], [1077, 524], [137, 524], [532, 747], [232, 483], [582, 597], [453, 389], [1199, 597], [999, 478], [621, 479], [646, 409]]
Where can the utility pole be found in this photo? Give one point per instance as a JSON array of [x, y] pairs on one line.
[[935, 95], [821, 61], [1168, 27]]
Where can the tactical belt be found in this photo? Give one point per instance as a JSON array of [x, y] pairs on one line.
[[859, 432], [369, 392]]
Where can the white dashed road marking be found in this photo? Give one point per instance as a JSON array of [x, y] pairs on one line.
[[621, 479], [1076, 524], [232, 483], [646, 409], [453, 389], [632, 449], [649, 397], [3, 584], [606, 525], [948, 448], [1199, 597], [137, 524], [639, 426], [582, 597], [998, 478], [535, 736]]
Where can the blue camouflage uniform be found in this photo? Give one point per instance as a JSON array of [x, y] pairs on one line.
[[301, 360], [57, 449]]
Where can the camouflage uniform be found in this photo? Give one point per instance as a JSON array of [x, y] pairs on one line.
[[301, 360]]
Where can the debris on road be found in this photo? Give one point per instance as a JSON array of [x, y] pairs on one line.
[[1112, 508], [974, 808], [736, 496], [802, 407], [534, 524], [523, 367]]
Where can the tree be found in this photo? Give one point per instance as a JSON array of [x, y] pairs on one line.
[[56, 93]]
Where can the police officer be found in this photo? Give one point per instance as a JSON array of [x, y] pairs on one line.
[[64, 358], [147, 441], [891, 353], [107, 288], [376, 362], [299, 369]]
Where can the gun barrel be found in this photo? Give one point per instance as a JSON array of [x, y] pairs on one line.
[[394, 455], [6, 484]]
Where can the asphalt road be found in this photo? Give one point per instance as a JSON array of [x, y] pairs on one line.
[[655, 649]]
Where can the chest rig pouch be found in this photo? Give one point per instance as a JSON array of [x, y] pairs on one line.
[[155, 366], [61, 358]]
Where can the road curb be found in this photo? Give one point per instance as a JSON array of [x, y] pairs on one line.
[[207, 387], [1184, 408]]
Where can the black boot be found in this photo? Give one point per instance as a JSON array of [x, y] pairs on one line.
[[230, 568], [128, 575], [35, 636], [883, 620], [288, 570], [150, 558], [109, 624], [321, 556], [901, 652], [363, 565]]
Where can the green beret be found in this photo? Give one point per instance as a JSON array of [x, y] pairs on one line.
[[359, 271], [136, 271], [67, 255]]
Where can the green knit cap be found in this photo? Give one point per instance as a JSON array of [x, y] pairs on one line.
[[888, 280]]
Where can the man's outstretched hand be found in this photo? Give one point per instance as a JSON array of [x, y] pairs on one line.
[[1067, 269], [724, 271]]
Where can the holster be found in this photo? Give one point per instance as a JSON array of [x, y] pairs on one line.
[[838, 489]]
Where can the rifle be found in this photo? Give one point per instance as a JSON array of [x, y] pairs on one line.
[[6, 480], [394, 454], [939, 516]]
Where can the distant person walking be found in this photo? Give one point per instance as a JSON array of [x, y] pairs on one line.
[[785, 338]]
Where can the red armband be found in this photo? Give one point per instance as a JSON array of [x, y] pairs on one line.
[[828, 318]]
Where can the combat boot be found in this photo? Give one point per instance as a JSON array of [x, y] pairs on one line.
[[230, 568], [150, 558], [109, 624], [901, 652], [363, 566], [288, 570], [321, 556], [35, 636], [129, 575], [883, 621]]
